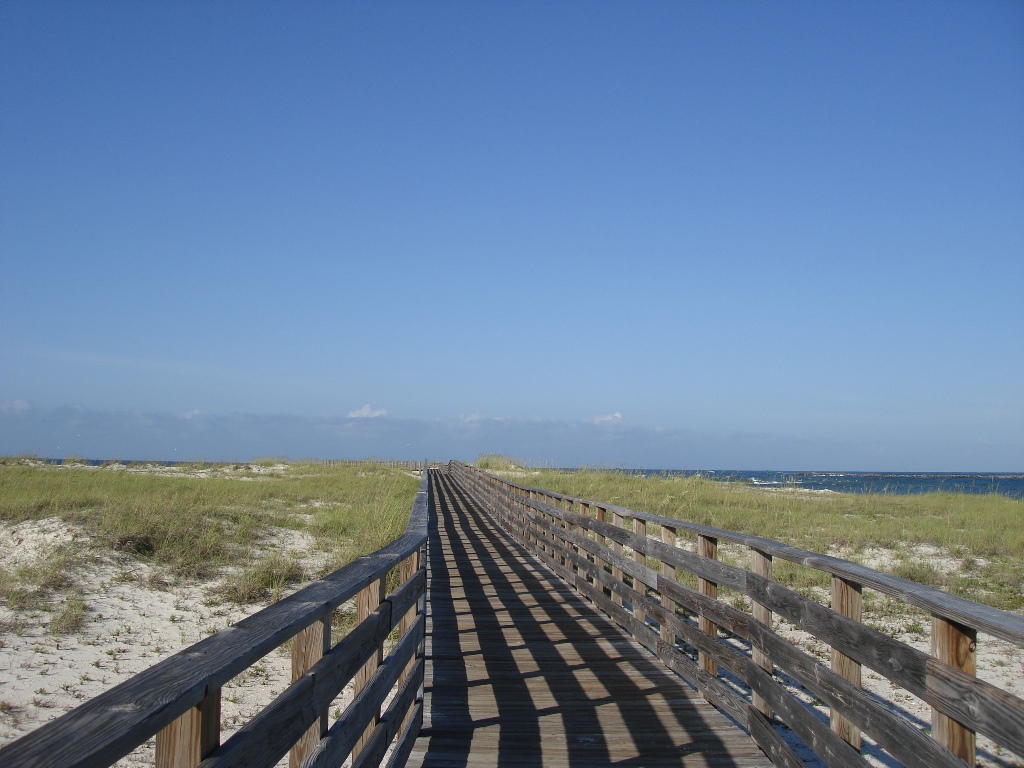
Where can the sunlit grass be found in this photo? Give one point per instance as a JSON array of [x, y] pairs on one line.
[[195, 521]]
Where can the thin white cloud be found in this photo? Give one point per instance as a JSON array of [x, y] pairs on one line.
[[15, 407], [611, 418], [366, 412], [190, 414]]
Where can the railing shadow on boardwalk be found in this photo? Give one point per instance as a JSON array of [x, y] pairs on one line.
[[634, 567], [565, 641]]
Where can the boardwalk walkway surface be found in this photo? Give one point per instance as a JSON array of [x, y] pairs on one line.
[[521, 671]]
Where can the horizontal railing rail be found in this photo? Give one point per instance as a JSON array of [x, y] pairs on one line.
[[178, 699], [616, 558]]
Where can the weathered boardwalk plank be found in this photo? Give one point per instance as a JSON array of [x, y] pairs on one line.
[[522, 671]]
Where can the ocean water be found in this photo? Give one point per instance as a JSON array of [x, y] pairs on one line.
[[1006, 484]]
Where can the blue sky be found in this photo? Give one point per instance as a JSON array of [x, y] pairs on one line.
[[693, 235]]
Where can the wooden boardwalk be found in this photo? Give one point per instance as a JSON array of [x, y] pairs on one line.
[[517, 669], [521, 671]]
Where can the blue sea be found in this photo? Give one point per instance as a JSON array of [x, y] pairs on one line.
[[1006, 484]]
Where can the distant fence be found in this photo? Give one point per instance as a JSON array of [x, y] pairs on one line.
[[606, 552], [178, 699]]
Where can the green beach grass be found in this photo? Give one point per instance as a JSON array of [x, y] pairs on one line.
[[193, 522]]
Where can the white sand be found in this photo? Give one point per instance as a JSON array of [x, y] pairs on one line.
[[130, 624]]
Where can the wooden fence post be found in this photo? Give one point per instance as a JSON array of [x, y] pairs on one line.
[[186, 741], [308, 647], [617, 521], [668, 536], [602, 517], [761, 564], [639, 528], [406, 571], [367, 601], [956, 645], [554, 521], [585, 512], [530, 525], [707, 546], [567, 526], [848, 601]]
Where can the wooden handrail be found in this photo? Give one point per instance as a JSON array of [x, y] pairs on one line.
[[575, 538], [178, 699]]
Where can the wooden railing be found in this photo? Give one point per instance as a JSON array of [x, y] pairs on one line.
[[178, 699], [616, 558]]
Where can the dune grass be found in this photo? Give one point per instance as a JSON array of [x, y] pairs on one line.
[[195, 521], [983, 533], [493, 462]]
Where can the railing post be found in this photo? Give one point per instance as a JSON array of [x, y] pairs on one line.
[[553, 521], [584, 512], [761, 564], [847, 601], [617, 521], [308, 647], [707, 546], [186, 741], [367, 601], [406, 571], [956, 645], [602, 517], [533, 524], [567, 526], [639, 528], [668, 536]]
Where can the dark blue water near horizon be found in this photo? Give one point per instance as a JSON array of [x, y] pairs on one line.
[[1009, 484]]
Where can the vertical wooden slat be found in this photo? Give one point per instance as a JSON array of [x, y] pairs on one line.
[[534, 528], [367, 602], [639, 528], [521, 506], [846, 600], [668, 536], [569, 527], [956, 645], [555, 522], [308, 647], [602, 516], [585, 512], [189, 739], [406, 571], [707, 546], [761, 564], [549, 548], [531, 533], [567, 506], [617, 521]]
